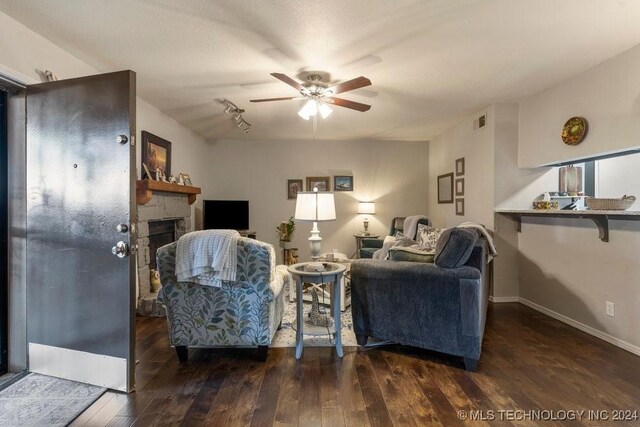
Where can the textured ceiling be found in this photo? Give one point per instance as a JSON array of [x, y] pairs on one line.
[[431, 62]]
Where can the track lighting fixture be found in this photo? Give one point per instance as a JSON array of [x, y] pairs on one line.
[[233, 109]]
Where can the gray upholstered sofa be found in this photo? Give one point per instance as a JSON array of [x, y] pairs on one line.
[[423, 305]]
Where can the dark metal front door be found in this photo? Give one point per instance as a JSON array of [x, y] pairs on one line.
[[4, 236], [80, 205]]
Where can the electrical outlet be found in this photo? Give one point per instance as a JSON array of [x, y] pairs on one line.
[[611, 309]]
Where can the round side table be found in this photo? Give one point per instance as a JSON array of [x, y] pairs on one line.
[[332, 275]]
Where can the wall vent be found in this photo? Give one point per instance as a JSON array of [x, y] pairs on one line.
[[480, 122]]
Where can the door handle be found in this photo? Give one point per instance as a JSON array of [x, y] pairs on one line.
[[121, 249]]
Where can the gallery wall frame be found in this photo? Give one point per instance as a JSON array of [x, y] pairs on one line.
[[460, 166], [343, 183], [323, 183], [445, 188], [293, 187], [459, 186]]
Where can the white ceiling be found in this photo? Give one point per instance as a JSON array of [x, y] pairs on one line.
[[431, 62]]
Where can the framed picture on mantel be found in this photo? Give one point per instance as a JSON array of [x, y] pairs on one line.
[[156, 153]]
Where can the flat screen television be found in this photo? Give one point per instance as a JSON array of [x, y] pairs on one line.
[[225, 214]]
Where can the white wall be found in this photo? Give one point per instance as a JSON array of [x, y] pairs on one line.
[[476, 146], [491, 176], [393, 174], [563, 266], [608, 95]]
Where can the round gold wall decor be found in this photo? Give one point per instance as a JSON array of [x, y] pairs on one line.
[[574, 130]]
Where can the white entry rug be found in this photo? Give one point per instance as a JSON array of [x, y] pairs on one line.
[[39, 400], [286, 336]]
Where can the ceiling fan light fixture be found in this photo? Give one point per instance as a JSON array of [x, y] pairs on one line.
[[303, 115], [325, 110], [309, 109]]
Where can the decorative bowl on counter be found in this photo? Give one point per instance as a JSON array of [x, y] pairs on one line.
[[545, 205], [598, 204]]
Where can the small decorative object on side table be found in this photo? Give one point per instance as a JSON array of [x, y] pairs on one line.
[[345, 284], [332, 274], [359, 237]]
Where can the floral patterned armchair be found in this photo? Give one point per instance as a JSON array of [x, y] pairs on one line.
[[246, 312]]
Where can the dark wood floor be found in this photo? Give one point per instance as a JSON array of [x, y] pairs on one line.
[[529, 362]]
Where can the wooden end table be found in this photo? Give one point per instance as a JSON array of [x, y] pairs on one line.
[[332, 275], [361, 236]]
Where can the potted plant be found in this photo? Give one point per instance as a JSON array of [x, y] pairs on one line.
[[286, 229]]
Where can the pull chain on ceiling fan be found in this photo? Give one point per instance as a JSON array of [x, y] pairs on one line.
[[319, 94]]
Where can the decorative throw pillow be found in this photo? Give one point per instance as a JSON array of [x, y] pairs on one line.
[[428, 236], [454, 247], [413, 253]]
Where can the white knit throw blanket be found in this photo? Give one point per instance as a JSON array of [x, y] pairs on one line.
[[482, 229], [410, 225], [409, 228], [207, 257]]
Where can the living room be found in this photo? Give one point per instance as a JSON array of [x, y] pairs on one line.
[[493, 91]]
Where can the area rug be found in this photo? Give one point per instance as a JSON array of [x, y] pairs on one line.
[[39, 400], [286, 336]]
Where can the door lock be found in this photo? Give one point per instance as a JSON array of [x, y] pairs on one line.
[[122, 139], [122, 228], [121, 249]]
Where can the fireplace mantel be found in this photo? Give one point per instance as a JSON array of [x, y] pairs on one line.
[[145, 189]]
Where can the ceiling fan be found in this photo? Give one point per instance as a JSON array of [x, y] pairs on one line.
[[319, 94]]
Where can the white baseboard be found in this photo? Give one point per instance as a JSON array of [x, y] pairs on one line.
[[581, 326], [503, 299]]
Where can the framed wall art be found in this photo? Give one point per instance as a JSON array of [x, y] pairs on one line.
[[460, 207], [459, 186], [343, 183], [460, 166], [445, 188], [322, 183], [293, 186], [156, 153]]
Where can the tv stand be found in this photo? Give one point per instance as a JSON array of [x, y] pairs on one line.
[[248, 233]]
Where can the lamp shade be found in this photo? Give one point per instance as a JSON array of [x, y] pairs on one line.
[[367, 208], [315, 206]]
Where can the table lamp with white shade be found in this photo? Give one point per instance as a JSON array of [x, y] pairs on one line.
[[366, 208], [315, 206]]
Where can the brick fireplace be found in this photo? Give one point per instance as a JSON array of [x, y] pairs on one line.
[[163, 216]]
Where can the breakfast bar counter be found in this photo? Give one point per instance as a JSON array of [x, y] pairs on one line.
[[600, 218]]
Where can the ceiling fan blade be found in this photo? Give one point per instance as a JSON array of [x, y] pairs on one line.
[[349, 104], [285, 98], [288, 80], [356, 83]]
